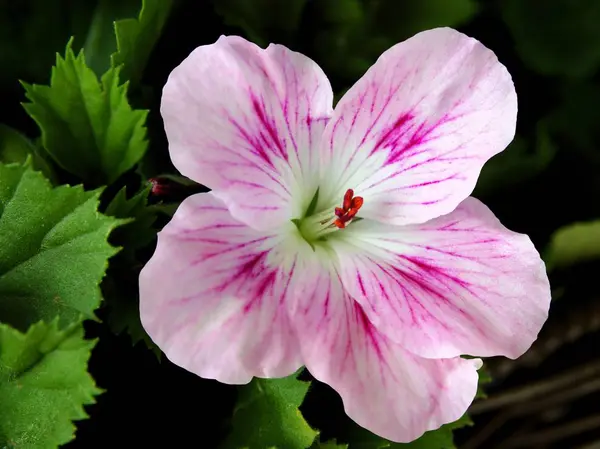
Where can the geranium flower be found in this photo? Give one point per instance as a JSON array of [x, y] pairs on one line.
[[343, 240]]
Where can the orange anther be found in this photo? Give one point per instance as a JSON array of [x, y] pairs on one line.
[[357, 202], [339, 212], [339, 223], [347, 204]]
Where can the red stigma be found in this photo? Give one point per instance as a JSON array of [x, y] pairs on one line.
[[349, 209]]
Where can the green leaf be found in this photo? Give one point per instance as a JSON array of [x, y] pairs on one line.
[[53, 249], [267, 416], [441, 438], [556, 37], [44, 384], [27, 55], [87, 126], [100, 43], [401, 20], [575, 243], [328, 445], [264, 21], [15, 147], [124, 315], [139, 232], [575, 122], [136, 37], [518, 163]]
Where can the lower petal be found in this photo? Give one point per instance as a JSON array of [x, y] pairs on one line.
[[385, 388], [458, 284], [212, 296]]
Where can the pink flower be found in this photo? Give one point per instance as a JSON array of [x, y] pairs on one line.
[[243, 283]]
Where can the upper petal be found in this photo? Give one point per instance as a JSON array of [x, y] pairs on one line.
[[246, 123], [212, 296], [412, 135], [385, 388], [458, 284]]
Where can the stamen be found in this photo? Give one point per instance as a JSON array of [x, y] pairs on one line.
[[350, 208]]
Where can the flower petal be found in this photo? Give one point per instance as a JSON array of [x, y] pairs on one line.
[[212, 296], [246, 122], [385, 388], [412, 135], [458, 284]]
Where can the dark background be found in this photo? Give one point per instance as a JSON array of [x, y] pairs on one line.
[[548, 178]]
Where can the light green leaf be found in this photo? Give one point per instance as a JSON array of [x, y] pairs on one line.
[[44, 384], [15, 147], [87, 126], [520, 162], [53, 249], [574, 243], [267, 415], [136, 37], [555, 37], [264, 21]]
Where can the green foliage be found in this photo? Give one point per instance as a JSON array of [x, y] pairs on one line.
[[267, 416], [263, 21], [100, 43], [87, 126], [136, 37], [328, 445], [354, 33], [15, 147], [25, 54], [401, 20], [574, 243], [138, 233], [43, 384], [556, 37], [53, 249], [520, 162], [575, 121]]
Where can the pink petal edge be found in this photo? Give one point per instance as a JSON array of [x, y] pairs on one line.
[[458, 284], [385, 389], [246, 122], [213, 296], [412, 135]]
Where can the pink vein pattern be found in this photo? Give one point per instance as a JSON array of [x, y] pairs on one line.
[[214, 296], [458, 284], [376, 378], [412, 134], [246, 122]]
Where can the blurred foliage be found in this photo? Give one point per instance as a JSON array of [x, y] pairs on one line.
[[556, 37]]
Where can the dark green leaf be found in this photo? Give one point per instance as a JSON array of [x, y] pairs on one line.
[[556, 37], [400, 20], [136, 37], [15, 147], [101, 43], [518, 163], [264, 21]]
